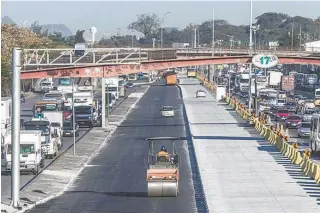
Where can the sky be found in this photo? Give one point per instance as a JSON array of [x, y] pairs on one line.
[[110, 17]]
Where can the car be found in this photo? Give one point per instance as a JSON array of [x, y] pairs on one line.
[[306, 117], [67, 129], [304, 129], [290, 106], [167, 111], [200, 93], [273, 110], [22, 98], [282, 114], [129, 85], [293, 121]]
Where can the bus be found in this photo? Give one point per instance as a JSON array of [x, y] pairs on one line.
[[46, 105], [191, 72]]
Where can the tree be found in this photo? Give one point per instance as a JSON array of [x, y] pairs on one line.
[[148, 24], [79, 36], [36, 27]]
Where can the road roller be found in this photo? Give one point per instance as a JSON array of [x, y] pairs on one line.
[[163, 169]]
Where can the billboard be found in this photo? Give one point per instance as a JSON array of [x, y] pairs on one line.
[[287, 83]]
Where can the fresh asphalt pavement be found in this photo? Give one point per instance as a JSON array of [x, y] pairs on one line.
[[25, 178], [115, 179]]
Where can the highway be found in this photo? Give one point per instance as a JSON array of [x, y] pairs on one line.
[[115, 179], [25, 178]]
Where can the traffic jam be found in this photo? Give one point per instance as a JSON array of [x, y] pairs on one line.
[[289, 98]]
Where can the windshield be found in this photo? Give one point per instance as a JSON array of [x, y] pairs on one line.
[[309, 112], [167, 108], [46, 84], [306, 125], [82, 110], [54, 124], [112, 89], [318, 93], [65, 81], [283, 111], [43, 128], [67, 125], [47, 107], [24, 149], [52, 96], [244, 80], [281, 101]]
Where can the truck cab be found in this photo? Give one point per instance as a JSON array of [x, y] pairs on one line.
[[49, 143], [86, 115], [31, 156]]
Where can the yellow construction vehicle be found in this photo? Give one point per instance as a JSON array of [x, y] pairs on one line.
[[163, 170]]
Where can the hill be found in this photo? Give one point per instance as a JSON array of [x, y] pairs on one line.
[[62, 28], [7, 20]]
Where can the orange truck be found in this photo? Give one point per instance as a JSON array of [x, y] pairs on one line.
[[171, 78]]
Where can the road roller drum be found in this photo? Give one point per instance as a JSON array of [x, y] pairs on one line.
[[162, 189]]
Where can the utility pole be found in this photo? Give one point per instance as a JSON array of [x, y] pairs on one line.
[[162, 25], [213, 47], [250, 65], [15, 120], [300, 38], [73, 120], [292, 35], [195, 37]]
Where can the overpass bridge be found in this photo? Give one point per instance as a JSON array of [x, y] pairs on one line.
[[109, 70], [50, 58]]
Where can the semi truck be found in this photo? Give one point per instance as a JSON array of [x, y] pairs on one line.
[[31, 156], [112, 86]]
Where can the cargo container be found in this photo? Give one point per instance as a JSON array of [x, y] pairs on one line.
[[171, 78]]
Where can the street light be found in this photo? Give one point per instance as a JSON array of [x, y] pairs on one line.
[[162, 23], [255, 29], [73, 120]]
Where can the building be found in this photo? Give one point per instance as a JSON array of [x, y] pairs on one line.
[[312, 46]]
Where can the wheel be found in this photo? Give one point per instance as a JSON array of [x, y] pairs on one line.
[[42, 164], [77, 134], [36, 170]]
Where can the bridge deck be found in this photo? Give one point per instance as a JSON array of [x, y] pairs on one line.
[[240, 171]]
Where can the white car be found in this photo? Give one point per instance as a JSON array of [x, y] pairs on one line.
[[201, 93], [167, 111]]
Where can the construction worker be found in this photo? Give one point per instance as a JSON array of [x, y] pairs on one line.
[[163, 152]]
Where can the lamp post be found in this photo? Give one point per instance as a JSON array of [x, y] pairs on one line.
[[255, 29], [162, 24], [250, 65]]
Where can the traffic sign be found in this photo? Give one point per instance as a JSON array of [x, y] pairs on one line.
[[265, 60]]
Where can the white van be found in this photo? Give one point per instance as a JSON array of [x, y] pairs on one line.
[[31, 156]]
